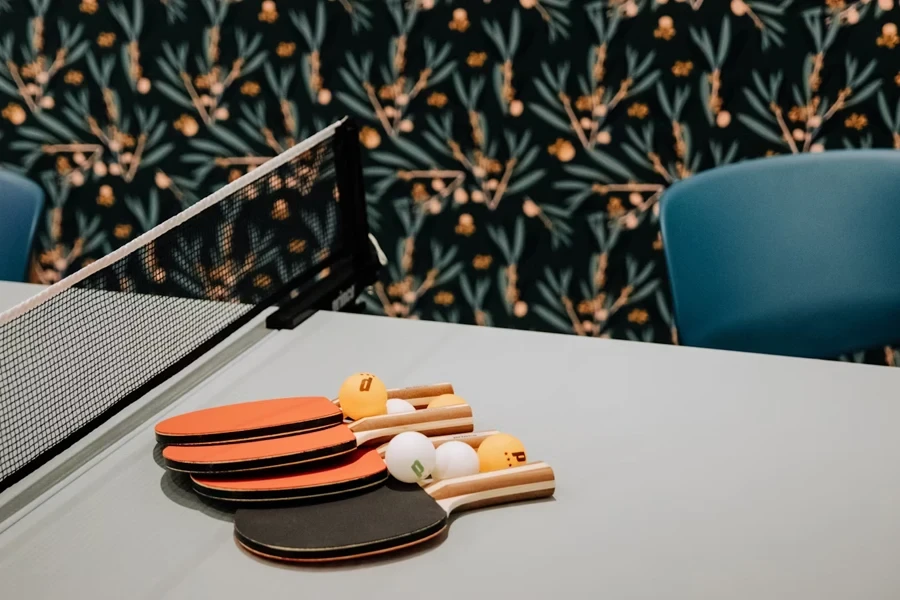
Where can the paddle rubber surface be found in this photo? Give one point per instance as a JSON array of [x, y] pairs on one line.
[[261, 454], [356, 471], [388, 517], [249, 420]]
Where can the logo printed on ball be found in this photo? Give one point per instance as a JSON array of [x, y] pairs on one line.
[[365, 384], [417, 468], [519, 456]]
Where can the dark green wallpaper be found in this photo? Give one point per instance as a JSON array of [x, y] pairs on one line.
[[515, 151]]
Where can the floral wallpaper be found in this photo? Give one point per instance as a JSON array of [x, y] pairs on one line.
[[515, 151]]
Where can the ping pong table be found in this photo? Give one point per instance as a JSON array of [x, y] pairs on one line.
[[681, 473]]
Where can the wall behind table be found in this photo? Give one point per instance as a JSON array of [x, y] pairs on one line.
[[515, 151]]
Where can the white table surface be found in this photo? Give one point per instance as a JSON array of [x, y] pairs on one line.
[[13, 292], [681, 473]]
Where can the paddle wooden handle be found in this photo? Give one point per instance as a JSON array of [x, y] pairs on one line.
[[473, 439], [429, 421], [419, 396], [536, 475]]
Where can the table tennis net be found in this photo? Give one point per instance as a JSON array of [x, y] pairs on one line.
[[84, 348]]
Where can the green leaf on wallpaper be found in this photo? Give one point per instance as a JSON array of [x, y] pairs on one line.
[[831, 35], [724, 41], [664, 101], [886, 113], [558, 212], [8, 88], [466, 289], [355, 105], [154, 156], [761, 130], [544, 91], [705, 91], [864, 94], [611, 164], [705, 44], [502, 282], [866, 73], [641, 68], [526, 162], [495, 33], [778, 28], [437, 144], [443, 73], [235, 141], [498, 236], [586, 291], [663, 307], [525, 182], [758, 106], [34, 133], [644, 84], [449, 274], [552, 318], [571, 185], [481, 290], [321, 19], [548, 294], [24, 146], [413, 151], [515, 32], [173, 94], [250, 132], [550, 118], [442, 54], [643, 275], [254, 63], [353, 84], [519, 239], [636, 156], [388, 158], [209, 146], [576, 200], [592, 175]]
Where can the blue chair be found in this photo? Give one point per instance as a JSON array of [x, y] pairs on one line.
[[795, 255], [21, 205]]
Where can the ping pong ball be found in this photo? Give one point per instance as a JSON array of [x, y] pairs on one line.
[[363, 395], [410, 457], [396, 406], [446, 400], [455, 459], [500, 451]]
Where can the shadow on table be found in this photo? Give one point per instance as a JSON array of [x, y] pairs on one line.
[[177, 488]]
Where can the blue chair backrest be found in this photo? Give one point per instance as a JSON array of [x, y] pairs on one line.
[[21, 204], [795, 255]]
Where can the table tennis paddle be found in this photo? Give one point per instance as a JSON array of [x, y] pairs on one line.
[[391, 517], [315, 445], [271, 418], [355, 472]]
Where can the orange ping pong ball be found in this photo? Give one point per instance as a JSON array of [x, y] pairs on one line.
[[500, 451], [363, 395], [446, 400]]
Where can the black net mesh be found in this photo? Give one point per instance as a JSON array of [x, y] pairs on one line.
[[94, 347]]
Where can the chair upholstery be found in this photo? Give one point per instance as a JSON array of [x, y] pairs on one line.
[[796, 255], [21, 204]]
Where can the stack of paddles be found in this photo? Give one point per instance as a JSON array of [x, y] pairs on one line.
[[373, 470]]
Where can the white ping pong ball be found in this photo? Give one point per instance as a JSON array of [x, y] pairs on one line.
[[455, 459], [396, 406], [410, 457]]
